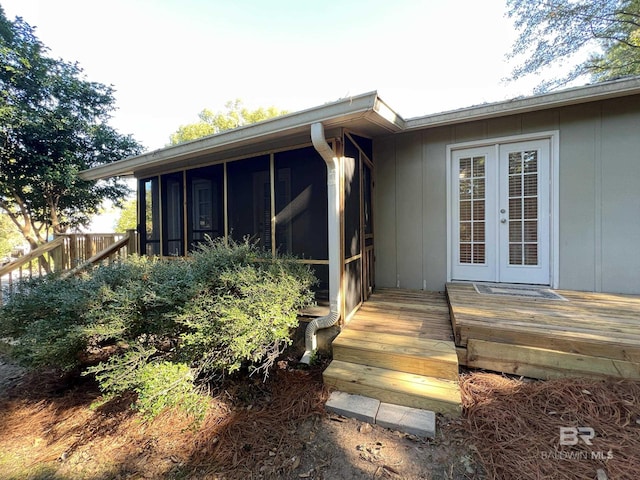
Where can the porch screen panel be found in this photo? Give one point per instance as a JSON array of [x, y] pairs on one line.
[[365, 144], [205, 201], [471, 204], [172, 215], [301, 204], [523, 207], [249, 200], [149, 227], [353, 284]]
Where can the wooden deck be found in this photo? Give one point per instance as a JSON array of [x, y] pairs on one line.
[[405, 347], [399, 349], [588, 334]]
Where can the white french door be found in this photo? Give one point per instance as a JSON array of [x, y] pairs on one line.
[[500, 219]]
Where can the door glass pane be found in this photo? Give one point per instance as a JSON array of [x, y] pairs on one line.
[[471, 205], [515, 185], [523, 208], [530, 185], [530, 254], [478, 167], [465, 232]]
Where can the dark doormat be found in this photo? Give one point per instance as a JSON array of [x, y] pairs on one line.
[[525, 291]]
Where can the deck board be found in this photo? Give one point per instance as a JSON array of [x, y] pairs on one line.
[[408, 312], [587, 326]]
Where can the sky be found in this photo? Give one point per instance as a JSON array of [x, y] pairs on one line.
[[170, 59]]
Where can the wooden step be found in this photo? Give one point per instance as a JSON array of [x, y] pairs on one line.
[[434, 358], [399, 388]]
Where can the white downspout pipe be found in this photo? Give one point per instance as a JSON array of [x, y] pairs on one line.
[[333, 204]]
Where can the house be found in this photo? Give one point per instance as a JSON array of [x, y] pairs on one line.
[[540, 190]]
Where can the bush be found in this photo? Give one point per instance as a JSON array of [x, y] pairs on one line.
[[147, 324]]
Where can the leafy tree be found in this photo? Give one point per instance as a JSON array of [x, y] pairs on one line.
[[53, 124], [562, 32], [128, 216], [9, 236], [235, 115]]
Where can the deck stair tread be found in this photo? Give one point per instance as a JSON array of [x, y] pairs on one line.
[[395, 341], [398, 348], [415, 355], [395, 387]]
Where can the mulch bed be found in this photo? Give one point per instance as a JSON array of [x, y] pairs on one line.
[[247, 432], [515, 426]]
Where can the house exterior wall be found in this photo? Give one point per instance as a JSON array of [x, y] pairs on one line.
[[599, 196]]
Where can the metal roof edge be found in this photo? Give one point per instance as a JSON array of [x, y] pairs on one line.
[[366, 105], [572, 96]]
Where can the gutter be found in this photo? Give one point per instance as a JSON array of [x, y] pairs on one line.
[[333, 219], [561, 98]]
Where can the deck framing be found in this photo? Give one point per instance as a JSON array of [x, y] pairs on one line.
[[405, 347], [587, 334]]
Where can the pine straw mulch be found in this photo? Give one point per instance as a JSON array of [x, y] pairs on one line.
[[515, 427], [48, 430], [47, 425]]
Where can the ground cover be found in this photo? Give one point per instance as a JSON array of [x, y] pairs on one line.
[[279, 429]]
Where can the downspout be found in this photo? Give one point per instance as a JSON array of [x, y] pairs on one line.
[[333, 205]]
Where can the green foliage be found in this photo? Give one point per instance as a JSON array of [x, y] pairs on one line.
[[9, 235], [561, 32], [154, 326], [159, 384], [43, 314], [220, 322], [53, 124], [128, 216], [235, 115]]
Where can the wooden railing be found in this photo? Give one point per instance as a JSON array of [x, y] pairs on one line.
[[68, 253], [120, 249], [82, 246]]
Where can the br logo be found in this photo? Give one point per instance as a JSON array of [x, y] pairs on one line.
[[573, 435]]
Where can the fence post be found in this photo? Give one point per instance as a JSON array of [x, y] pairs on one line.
[[132, 246], [89, 247], [57, 257], [73, 250]]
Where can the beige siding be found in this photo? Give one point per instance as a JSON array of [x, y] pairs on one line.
[[435, 222], [384, 213], [577, 192], [599, 202], [409, 213], [620, 217]]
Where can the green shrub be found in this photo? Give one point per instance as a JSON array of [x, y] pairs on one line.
[[158, 383], [150, 324], [245, 317]]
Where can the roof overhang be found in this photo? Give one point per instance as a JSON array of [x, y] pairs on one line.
[[365, 114], [572, 96]]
